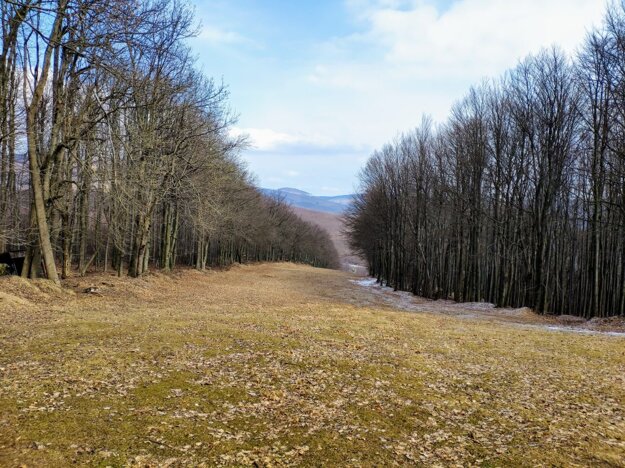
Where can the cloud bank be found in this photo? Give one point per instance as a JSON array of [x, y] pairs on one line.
[[324, 105]]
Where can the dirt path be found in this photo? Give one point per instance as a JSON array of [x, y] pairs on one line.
[[368, 292]]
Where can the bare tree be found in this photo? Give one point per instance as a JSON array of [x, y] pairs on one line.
[[519, 197]]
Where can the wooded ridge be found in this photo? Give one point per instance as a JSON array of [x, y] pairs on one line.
[[519, 198], [116, 152]]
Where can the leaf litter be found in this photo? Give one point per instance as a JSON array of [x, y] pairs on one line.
[[278, 365]]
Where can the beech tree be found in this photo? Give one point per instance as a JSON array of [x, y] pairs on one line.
[[519, 198], [115, 152]]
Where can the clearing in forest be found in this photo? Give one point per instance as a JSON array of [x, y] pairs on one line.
[[285, 364]]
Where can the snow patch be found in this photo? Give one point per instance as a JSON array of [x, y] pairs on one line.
[[407, 301], [583, 331], [366, 282]]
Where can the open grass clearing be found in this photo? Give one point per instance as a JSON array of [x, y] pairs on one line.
[[285, 364]]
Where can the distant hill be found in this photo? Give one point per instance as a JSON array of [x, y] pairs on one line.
[[333, 224], [300, 199], [326, 212]]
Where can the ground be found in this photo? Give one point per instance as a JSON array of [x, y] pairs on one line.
[[273, 365], [334, 225]]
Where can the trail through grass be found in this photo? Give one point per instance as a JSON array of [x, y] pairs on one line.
[[289, 365]]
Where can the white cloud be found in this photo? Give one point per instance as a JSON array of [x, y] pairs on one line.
[[268, 140], [412, 57], [265, 139], [477, 37], [217, 36]]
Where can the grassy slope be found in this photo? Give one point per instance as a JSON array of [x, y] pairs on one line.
[[267, 364], [333, 224]]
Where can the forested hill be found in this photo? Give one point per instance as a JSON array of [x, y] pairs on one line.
[[300, 199], [519, 197], [129, 160]]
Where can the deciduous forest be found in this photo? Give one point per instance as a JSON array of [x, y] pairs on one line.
[[115, 151], [158, 308], [519, 197]]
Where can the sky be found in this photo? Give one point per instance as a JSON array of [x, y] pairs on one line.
[[318, 85]]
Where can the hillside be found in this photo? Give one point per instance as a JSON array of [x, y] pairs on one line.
[[276, 365], [333, 224], [300, 199]]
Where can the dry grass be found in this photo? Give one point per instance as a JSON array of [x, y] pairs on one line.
[[333, 224], [272, 365]]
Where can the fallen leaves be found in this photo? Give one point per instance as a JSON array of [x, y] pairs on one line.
[[269, 366]]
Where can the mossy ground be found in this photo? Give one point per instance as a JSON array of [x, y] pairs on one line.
[[276, 365]]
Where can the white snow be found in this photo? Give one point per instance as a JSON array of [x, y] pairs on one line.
[[366, 282], [584, 331], [407, 301]]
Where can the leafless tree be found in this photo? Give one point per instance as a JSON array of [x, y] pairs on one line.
[[519, 197], [116, 152]]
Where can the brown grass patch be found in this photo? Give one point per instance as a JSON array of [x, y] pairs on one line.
[[272, 365]]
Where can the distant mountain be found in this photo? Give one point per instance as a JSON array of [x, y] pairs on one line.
[[300, 199]]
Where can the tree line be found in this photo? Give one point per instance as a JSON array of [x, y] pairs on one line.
[[519, 197], [116, 152]]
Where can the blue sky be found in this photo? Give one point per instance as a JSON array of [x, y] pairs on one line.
[[318, 85]]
